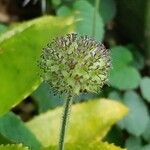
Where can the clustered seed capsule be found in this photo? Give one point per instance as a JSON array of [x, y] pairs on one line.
[[72, 64]]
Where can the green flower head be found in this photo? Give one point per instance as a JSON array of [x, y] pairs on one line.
[[72, 64]]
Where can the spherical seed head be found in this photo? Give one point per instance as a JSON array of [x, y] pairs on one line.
[[72, 64]]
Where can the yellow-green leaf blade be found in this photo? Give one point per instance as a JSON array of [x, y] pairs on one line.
[[20, 48], [88, 121], [13, 147], [88, 146]]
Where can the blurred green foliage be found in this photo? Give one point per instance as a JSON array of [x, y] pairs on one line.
[[124, 27], [13, 147], [17, 131]]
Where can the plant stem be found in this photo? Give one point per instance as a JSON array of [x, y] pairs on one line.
[[94, 17], [43, 7], [67, 108]]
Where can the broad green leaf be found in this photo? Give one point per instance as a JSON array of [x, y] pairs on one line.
[[88, 121], [13, 147], [145, 88], [3, 28], [56, 2], [88, 146], [114, 95], [133, 143], [121, 56], [137, 119], [19, 51], [64, 11], [85, 18], [146, 134], [146, 147], [85, 13], [124, 78], [107, 9], [15, 131], [138, 57], [45, 98]]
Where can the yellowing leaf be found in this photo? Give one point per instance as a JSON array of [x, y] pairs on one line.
[[88, 146], [88, 121], [19, 51], [13, 147]]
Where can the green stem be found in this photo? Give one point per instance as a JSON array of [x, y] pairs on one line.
[[65, 118], [94, 17], [43, 7]]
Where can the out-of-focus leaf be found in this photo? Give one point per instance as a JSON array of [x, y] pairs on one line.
[[15, 131], [146, 134], [123, 76], [138, 57], [85, 13], [88, 146], [133, 143], [137, 119], [85, 24], [4, 140], [56, 2], [121, 57], [3, 28], [64, 11], [114, 95], [146, 147], [88, 121], [19, 52], [115, 135], [145, 88], [45, 98], [107, 10], [13, 147]]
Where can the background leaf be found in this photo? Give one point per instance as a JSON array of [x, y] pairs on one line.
[[13, 147], [19, 52], [133, 143], [123, 76], [146, 147], [84, 25], [107, 9], [146, 134], [15, 131], [45, 98], [3, 28], [64, 11], [145, 88], [88, 121], [137, 109]]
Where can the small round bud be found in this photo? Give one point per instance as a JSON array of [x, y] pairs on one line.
[[72, 64]]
